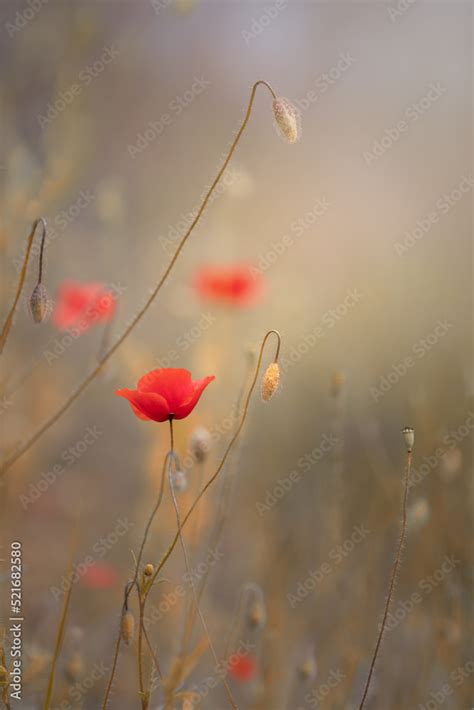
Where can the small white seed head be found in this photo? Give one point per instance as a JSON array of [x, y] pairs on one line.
[[200, 444], [287, 119], [40, 304], [271, 381], [409, 436]]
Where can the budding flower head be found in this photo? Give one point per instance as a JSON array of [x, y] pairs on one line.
[[257, 615], [127, 627], [271, 381], [200, 444], [40, 304], [287, 119], [149, 569], [409, 436]]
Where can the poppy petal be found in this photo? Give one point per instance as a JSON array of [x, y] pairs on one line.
[[146, 405], [187, 407], [174, 384]]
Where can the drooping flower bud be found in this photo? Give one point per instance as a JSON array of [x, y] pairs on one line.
[[287, 119], [409, 436], [271, 381], [40, 304], [127, 627]]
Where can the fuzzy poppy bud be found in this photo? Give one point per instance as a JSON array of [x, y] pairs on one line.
[[149, 569], [200, 444], [39, 303], [271, 381], [127, 628], [308, 669], [409, 436], [286, 117], [256, 615]]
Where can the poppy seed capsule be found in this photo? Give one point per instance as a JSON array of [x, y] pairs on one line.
[[200, 444], [409, 436], [286, 118], [39, 303], [149, 569], [271, 381], [127, 628]]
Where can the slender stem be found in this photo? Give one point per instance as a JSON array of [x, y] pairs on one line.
[[189, 574], [84, 384], [224, 458], [134, 581], [393, 577], [24, 268], [43, 239], [57, 648]]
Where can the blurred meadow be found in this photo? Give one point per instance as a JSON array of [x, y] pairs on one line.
[[116, 118]]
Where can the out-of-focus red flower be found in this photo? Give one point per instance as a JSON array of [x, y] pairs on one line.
[[82, 305], [164, 394], [235, 284], [99, 575], [242, 667]]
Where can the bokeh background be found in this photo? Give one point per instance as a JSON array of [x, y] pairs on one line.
[[116, 117]]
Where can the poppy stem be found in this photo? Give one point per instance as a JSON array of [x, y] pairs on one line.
[[86, 382], [226, 453], [393, 577], [190, 576], [9, 319]]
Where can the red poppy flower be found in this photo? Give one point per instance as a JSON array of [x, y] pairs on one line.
[[81, 305], [235, 284], [242, 667], [99, 575], [164, 394]]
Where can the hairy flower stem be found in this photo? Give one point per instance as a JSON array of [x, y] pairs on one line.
[[130, 586], [393, 577], [24, 268], [226, 453], [189, 574], [86, 382]]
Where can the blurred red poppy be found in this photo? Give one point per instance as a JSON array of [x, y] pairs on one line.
[[82, 305], [242, 667], [235, 285], [99, 575], [164, 394]]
